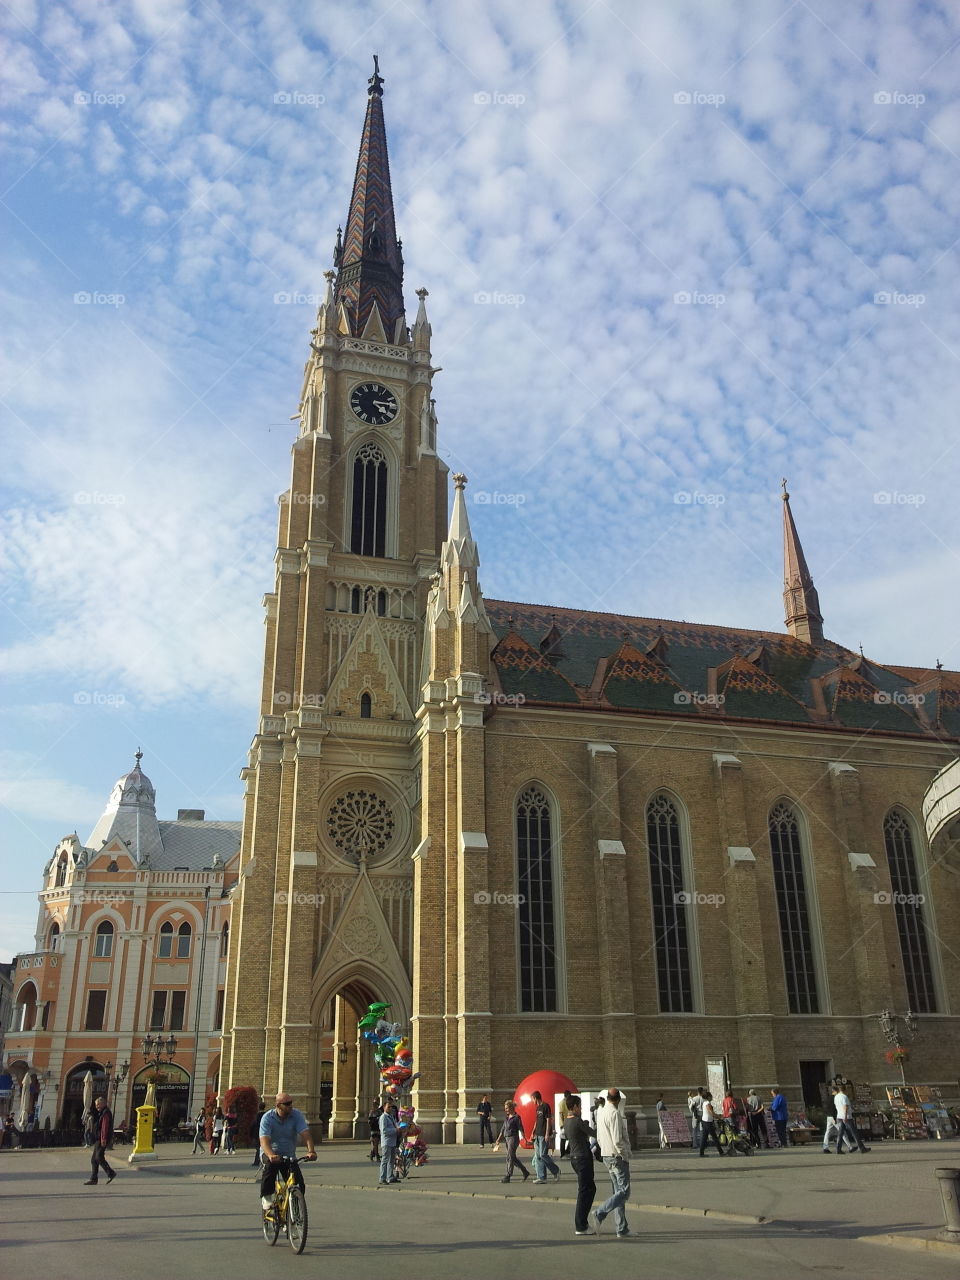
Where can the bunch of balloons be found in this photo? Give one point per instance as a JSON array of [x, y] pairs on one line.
[[391, 1050], [413, 1135]]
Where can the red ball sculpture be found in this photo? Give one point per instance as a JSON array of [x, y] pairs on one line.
[[549, 1083]]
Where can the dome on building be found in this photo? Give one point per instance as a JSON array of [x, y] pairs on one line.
[[134, 788], [130, 816]]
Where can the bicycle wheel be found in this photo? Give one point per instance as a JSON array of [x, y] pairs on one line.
[[296, 1219], [271, 1224]]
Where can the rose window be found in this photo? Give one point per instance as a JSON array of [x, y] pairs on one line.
[[360, 825]]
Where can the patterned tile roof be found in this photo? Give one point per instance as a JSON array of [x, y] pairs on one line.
[[619, 662], [369, 265], [526, 674], [751, 692]]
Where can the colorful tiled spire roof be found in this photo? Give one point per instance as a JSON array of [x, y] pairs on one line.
[[369, 261]]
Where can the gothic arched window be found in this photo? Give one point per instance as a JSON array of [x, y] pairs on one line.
[[225, 940], [796, 934], [908, 908], [183, 941], [53, 937], [669, 900], [538, 951], [61, 878], [368, 528], [366, 706], [165, 949], [103, 940]]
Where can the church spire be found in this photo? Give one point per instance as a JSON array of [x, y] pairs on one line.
[[801, 605], [369, 259]]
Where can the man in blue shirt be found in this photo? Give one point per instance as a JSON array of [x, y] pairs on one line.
[[280, 1129], [778, 1109]]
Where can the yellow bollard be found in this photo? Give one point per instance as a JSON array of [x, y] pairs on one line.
[[143, 1144]]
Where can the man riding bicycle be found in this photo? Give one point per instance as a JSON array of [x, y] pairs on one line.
[[280, 1129]]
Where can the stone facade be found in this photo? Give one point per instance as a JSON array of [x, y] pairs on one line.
[[132, 938], [403, 717]]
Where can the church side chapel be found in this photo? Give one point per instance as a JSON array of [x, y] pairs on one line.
[[608, 845]]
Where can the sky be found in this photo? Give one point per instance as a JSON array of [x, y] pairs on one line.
[[674, 252]]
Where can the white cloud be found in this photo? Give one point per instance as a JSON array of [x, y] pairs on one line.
[[597, 197]]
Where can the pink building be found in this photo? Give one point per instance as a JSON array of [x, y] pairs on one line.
[[131, 940]]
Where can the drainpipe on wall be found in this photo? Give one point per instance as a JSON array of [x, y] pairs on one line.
[[196, 1016]]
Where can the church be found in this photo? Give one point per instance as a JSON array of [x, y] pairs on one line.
[[607, 845]]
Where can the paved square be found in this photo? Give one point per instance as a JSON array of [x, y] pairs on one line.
[[199, 1216]]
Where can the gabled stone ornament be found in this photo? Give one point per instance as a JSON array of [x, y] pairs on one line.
[[373, 329], [467, 611], [353, 671]]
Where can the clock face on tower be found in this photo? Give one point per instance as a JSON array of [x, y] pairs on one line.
[[374, 403]]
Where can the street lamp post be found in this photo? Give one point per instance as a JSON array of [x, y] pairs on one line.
[[157, 1052], [898, 1039], [115, 1079]]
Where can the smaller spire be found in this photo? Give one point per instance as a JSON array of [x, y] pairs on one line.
[[802, 616], [459, 547], [421, 326]]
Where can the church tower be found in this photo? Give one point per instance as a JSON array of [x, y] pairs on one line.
[[323, 912]]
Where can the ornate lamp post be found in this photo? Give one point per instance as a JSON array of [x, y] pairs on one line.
[[157, 1052], [897, 1038], [115, 1079]]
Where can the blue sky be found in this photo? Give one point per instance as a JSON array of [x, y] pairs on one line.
[[673, 251]]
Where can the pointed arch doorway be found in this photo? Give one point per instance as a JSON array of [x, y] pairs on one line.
[[345, 1079]]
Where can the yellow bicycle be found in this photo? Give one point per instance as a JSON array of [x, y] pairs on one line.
[[289, 1208]]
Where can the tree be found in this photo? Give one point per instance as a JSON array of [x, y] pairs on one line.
[[245, 1101]]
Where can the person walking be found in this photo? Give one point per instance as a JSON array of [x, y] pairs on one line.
[[778, 1109], [614, 1142], [484, 1111], [511, 1131], [230, 1131], [389, 1136], [661, 1108], [708, 1125], [695, 1107], [831, 1133], [731, 1110], [542, 1141], [217, 1135], [373, 1121], [102, 1141], [564, 1112], [255, 1133], [199, 1131], [9, 1131], [845, 1124], [756, 1121], [576, 1134]]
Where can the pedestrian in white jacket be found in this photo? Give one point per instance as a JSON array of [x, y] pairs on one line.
[[614, 1142]]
